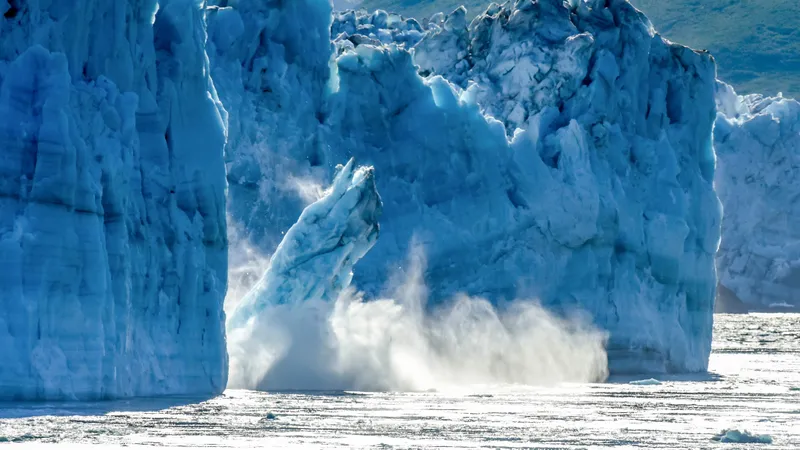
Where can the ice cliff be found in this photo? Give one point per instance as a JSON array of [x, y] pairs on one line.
[[550, 150], [112, 201], [758, 145]]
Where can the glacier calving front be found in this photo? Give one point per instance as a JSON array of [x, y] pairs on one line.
[[758, 144], [552, 151], [113, 238]]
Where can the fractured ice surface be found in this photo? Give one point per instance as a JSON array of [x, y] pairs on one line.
[[547, 150], [551, 151], [312, 266], [758, 146], [316, 257], [112, 210]]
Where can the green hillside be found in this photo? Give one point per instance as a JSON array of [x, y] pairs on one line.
[[756, 42]]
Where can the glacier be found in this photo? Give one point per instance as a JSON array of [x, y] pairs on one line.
[[554, 151], [758, 146], [547, 150], [112, 215]]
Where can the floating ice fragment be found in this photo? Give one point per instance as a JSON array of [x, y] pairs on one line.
[[742, 437], [647, 382]]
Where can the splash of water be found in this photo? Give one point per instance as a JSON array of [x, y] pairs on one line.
[[400, 344]]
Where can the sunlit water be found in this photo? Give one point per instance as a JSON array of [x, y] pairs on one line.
[[753, 384]]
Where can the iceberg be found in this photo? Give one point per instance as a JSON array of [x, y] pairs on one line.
[[554, 151], [758, 148], [112, 205]]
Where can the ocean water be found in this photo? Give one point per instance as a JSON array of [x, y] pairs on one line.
[[753, 384]]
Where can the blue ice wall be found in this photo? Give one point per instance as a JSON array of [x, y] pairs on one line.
[[545, 150], [112, 214]]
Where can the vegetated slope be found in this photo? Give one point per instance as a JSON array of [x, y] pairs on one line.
[[756, 42]]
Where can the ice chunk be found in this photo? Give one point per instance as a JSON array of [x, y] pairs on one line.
[[316, 258], [311, 267], [647, 382], [739, 437]]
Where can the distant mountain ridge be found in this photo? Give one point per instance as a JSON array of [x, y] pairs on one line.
[[756, 42]]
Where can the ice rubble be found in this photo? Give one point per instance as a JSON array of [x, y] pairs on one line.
[[112, 212], [758, 146], [592, 188]]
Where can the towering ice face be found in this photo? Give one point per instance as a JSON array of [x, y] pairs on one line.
[[271, 66], [112, 214], [590, 188], [758, 145]]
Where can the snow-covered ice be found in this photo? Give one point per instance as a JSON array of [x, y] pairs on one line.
[[112, 211]]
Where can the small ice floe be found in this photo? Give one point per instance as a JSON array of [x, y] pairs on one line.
[[268, 418], [742, 437], [647, 382]]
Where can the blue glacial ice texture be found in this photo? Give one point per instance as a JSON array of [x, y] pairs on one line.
[[112, 211], [570, 160], [758, 148], [316, 257], [270, 64], [312, 266]]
